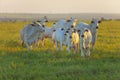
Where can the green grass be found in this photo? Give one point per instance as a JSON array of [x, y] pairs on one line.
[[44, 63]]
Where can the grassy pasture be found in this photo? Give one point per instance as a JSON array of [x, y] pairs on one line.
[[44, 63]]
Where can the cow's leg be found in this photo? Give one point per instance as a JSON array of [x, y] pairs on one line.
[[28, 46], [61, 46], [53, 42], [82, 52], [76, 48], [56, 45], [22, 43], [38, 43], [93, 41], [88, 51], [43, 43], [68, 48]]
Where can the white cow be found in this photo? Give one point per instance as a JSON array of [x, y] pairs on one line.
[[47, 34], [62, 37], [65, 23], [30, 33], [85, 40], [42, 22], [93, 26]]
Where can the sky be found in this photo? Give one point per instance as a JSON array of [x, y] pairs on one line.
[[59, 6]]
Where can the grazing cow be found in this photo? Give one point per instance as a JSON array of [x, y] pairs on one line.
[[85, 40], [93, 26], [30, 33]]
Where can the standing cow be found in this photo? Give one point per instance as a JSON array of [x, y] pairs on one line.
[[85, 40], [62, 36], [93, 27], [30, 33]]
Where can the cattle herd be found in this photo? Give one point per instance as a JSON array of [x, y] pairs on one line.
[[75, 36]]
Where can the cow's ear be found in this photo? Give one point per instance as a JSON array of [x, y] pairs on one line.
[[92, 21], [72, 26], [70, 37], [38, 21], [32, 24], [67, 31], [54, 30], [67, 20], [54, 23], [43, 25], [99, 21], [78, 30], [86, 30], [62, 29]]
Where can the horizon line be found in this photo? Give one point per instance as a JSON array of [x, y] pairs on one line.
[[57, 13]]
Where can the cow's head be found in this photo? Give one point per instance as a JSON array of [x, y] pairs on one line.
[[45, 19], [95, 23], [84, 32]]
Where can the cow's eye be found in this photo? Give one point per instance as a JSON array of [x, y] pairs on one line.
[[62, 29], [92, 21]]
